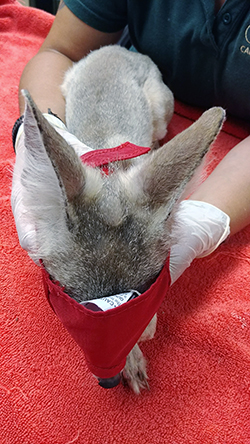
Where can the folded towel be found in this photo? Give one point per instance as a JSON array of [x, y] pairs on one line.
[[199, 360]]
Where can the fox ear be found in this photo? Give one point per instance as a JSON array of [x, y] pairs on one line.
[[40, 135], [164, 174]]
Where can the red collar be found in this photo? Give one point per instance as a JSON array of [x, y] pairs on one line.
[[107, 337], [101, 158]]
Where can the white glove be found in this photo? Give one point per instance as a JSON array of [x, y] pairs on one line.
[[24, 224], [199, 228], [79, 147]]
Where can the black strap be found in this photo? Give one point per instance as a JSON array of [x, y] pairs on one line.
[[15, 129], [19, 122]]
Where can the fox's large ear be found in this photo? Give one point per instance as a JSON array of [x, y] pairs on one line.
[[40, 135], [164, 174]]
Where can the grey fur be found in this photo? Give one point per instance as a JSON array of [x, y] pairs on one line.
[[100, 235], [113, 94]]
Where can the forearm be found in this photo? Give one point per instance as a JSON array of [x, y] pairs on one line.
[[68, 41], [43, 76], [201, 228], [228, 187]]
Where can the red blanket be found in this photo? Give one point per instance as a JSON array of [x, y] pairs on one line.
[[199, 360]]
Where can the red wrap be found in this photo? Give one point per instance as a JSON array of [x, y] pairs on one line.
[[107, 337]]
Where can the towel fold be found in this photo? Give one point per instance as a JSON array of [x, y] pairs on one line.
[[198, 363]]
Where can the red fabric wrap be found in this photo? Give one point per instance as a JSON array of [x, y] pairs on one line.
[[107, 337]]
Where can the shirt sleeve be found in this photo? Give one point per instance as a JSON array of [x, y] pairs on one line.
[[105, 15]]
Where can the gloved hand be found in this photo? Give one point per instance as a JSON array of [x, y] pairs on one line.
[[79, 147], [25, 225], [199, 229]]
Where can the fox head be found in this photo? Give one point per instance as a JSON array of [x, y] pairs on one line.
[[100, 235]]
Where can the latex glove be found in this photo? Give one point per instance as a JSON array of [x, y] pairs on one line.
[[79, 147], [200, 228], [24, 224]]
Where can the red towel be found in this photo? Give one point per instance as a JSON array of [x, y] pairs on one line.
[[199, 361]]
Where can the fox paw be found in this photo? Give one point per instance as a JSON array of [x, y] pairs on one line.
[[134, 373]]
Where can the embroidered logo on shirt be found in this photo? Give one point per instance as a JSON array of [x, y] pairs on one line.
[[245, 49]]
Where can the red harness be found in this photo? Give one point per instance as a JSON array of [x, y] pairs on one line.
[[107, 337]]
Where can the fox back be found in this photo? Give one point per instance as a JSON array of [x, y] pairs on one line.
[[113, 96]]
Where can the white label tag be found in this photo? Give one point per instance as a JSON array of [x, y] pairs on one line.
[[114, 301]]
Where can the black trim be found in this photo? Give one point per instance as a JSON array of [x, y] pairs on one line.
[[15, 129], [53, 114]]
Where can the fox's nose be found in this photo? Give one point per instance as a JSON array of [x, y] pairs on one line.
[[108, 383]]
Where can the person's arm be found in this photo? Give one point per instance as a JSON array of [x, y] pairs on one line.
[[220, 206], [228, 186], [68, 41]]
